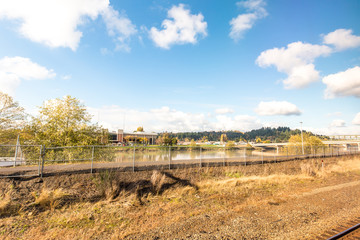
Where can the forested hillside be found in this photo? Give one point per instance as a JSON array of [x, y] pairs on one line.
[[280, 134]]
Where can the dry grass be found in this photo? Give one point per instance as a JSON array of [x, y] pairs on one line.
[[251, 181], [352, 165], [323, 169], [157, 180], [217, 189], [49, 198], [5, 205]]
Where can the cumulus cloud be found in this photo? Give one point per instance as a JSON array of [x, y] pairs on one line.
[[342, 39], [255, 10], [224, 110], [356, 120], [334, 114], [55, 23], [277, 108], [296, 61], [166, 119], [337, 123], [120, 27], [341, 84], [15, 69], [346, 130], [182, 27], [239, 122]]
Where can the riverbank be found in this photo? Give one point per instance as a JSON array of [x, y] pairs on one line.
[[213, 202]]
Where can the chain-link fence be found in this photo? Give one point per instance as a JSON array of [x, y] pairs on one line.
[[35, 160], [20, 160]]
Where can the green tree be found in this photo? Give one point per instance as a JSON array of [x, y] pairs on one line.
[[193, 143], [165, 139], [65, 122], [311, 143], [12, 118], [230, 145], [223, 138], [140, 129]]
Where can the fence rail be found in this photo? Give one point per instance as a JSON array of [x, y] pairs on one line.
[[36, 160]]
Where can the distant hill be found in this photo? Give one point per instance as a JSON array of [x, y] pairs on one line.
[[280, 134]]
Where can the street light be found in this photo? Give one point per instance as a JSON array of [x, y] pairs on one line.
[[302, 139]]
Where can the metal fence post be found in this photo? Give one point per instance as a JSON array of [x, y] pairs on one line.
[[262, 156], [134, 160], [245, 155], [92, 158], [169, 157], [332, 154], [16, 150], [287, 153], [224, 158], [39, 161], [274, 156], [42, 159], [200, 158]]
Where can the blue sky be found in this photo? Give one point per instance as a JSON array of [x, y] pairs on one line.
[[188, 65]]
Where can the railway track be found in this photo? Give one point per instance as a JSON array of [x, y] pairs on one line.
[[350, 230]]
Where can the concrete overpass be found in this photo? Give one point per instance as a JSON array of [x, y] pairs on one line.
[[343, 143]]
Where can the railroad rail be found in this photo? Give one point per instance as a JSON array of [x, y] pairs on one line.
[[350, 230]]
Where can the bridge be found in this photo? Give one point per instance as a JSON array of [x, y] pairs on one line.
[[345, 137], [347, 144]]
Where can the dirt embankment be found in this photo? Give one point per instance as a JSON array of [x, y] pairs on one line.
[[289, 200]]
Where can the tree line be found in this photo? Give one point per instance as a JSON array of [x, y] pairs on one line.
[[264, 134]]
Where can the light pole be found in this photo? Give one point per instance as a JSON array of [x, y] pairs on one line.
[[302, 139]]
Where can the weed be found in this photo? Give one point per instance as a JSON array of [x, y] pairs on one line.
[[107, 184], [157, 180], [49, 198], [234, 174]]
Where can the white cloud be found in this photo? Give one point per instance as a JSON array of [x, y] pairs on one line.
[[256, 10], [334, 114], [337, 123], [15, 69], [120, 27], [342, 39], [356, 120], [182, 27], [166, 119], [277, 108], [55, 23], [239, 122], [346, 130], [341, 84], [224, 110], [66, 77], [296, 61]]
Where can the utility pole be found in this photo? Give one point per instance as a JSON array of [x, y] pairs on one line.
[[302, 139]]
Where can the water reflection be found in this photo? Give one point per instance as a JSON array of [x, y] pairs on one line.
[[164, 155]]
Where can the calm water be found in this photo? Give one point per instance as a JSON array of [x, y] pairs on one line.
[[186, 155]]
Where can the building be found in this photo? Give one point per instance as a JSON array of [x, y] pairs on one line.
[[121, 137]]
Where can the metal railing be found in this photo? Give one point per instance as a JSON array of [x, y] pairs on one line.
[[36, 160]]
